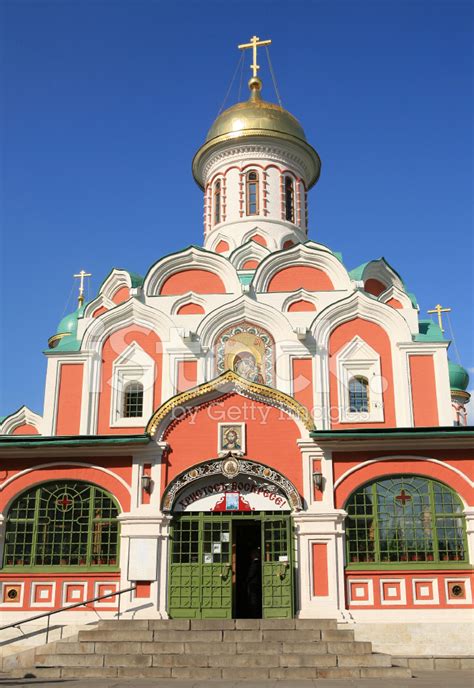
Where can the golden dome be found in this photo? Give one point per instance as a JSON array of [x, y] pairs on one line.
[[256, 117], [255, 114]]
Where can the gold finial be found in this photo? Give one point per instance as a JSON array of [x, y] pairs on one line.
[[255, 42], [439, 310], [81, 275]]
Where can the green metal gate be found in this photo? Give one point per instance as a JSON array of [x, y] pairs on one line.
[[200, 569]]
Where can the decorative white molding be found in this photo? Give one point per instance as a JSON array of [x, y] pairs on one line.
[[244, 309], [133, 365], [383, 272], [355, 359], [394, 292], [309, 254], [115, 280], [394, 325], [300, 295], [404, 457], [189, 297], [191, 258], [132, 312], [249, 250], [24, 416], [65, 464]]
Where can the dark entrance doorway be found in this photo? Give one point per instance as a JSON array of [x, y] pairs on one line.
[[247, 569]]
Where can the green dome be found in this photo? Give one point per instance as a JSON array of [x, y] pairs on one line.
[[66, 330], [458, 376]]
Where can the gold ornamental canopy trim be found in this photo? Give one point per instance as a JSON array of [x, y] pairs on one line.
[[238, 384]]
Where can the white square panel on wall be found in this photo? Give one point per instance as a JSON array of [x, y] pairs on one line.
[[393, 591], [360, 592], [143, 559], [43, 594], [425, 591]]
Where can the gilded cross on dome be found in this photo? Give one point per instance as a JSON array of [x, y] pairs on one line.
[[255, 43], [439, 310], [81, 275]]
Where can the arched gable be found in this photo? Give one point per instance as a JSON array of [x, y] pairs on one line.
[[246, 252], [193, 269], [24, 421], [300, 301], [133, 312], [244, 309], [384, 466], [309, 266]]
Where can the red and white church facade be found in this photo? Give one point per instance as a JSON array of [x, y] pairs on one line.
[[253, 394]]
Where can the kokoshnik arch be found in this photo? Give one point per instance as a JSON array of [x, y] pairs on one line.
[[253, 397]]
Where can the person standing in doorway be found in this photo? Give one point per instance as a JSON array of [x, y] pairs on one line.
[[254, 584]]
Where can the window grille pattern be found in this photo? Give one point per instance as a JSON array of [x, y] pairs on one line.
[[252, 193], [133, 400], [289, 200], [358, 395], [62, 524], [405, 519]]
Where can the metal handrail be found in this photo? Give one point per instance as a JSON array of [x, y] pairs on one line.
[[16, 624]]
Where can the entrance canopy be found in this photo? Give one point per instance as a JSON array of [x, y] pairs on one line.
[[231, 484]]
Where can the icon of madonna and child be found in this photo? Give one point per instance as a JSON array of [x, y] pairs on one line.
[[245, 365]]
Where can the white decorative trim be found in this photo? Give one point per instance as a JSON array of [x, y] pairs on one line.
[[75, 584], [467, 586], [132, 312], [394, 292], [403, 457], [191, 258], [101, 301], [309, 254], [109, 602], [353, 601], [133, 365], [24, 416], [250, 250], [244, 308], [219, 236], [434, 599], [12, 605], [46, 583], [401, 583], [355, 359], [300, 295], [189, 297], [64, 464], [380, 270], [116, 280], [359, 305]]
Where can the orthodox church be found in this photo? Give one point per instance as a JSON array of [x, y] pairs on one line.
[[250, 407]]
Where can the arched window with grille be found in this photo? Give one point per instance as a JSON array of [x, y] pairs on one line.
[[217, 202], [405, 520], [358, 394], [62, 524], [133, 400], [289, 199], [252, 190]]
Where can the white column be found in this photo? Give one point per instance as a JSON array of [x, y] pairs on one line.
[[325, 529], [469, 514]]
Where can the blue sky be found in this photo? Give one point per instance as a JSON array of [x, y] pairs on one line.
[[105, 103]]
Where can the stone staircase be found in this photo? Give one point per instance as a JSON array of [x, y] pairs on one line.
[[212, 650]]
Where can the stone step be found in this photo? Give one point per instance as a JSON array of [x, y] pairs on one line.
[[203, 660], [216, 624], [229, 673]]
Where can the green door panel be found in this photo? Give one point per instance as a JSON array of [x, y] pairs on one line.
[[277, 569], [200, 569], [200, 581]]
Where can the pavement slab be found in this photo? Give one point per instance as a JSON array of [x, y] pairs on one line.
[[423, 679]]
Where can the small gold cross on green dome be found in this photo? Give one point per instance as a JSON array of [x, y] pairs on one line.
[[255, 42], [439, 310], [81, 275]]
